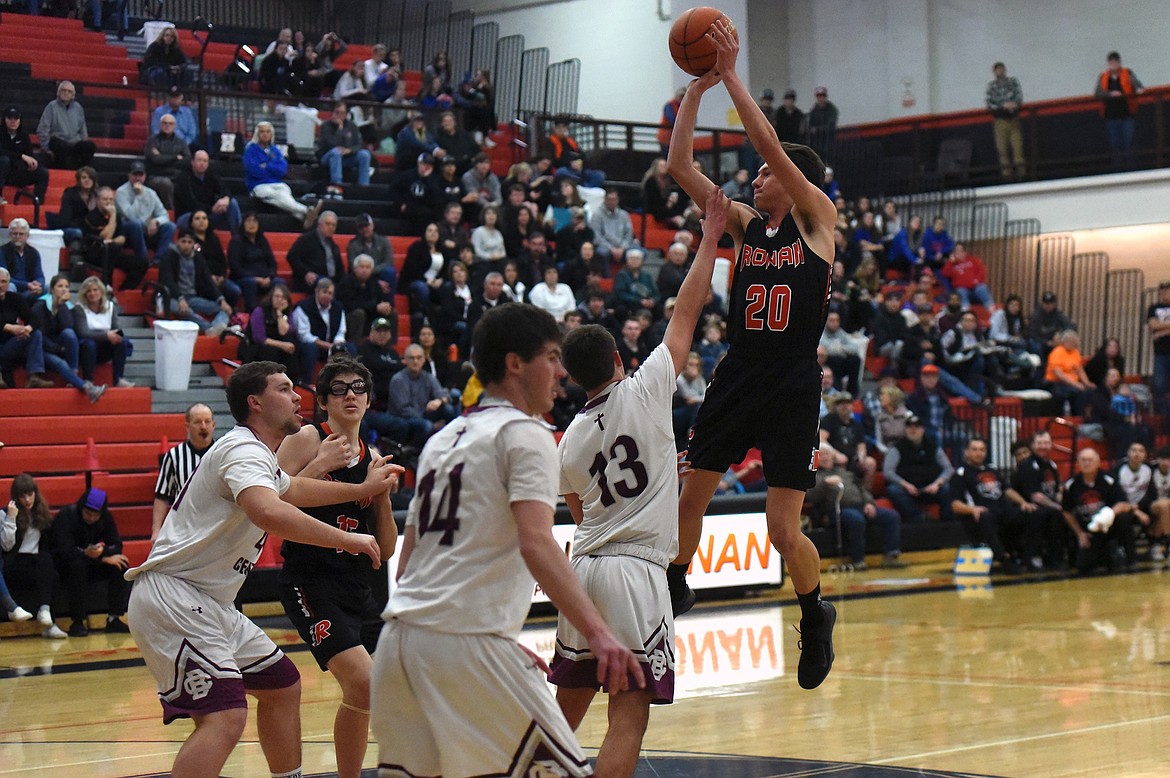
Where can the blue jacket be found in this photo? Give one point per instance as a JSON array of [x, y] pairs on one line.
[[263, 166], [937, 243], [22, 269]]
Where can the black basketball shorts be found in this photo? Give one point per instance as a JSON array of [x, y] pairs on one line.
[[332, 615], [770, 404]]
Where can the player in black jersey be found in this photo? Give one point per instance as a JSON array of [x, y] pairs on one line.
[[326, 592], [766, 392]]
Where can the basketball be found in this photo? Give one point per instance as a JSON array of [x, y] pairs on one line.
[[690, 47]]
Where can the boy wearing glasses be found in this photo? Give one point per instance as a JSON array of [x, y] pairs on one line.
[[326, 592]]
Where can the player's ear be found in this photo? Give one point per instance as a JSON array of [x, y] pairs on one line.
[[513, 362], [617, 361]]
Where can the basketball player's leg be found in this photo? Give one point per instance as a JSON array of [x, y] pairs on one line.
[[800, 554], [351, 726], [629, 713], [697, 490], [207, 748], [575, 703], [278, 723]]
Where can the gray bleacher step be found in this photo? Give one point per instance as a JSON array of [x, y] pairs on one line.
[[177, 402]]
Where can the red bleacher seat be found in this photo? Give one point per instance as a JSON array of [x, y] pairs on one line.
[[70, 402], [123, 428], [74, 457]]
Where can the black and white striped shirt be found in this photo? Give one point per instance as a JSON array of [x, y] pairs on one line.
[[177, 466]]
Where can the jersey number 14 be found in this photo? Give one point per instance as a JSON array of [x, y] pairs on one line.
[[445, 518], [767, 308]]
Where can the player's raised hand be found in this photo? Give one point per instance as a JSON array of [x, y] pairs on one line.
[[705, 81], [716, 209], [357, 543], [615, 664], [334, 452], [726, 45], [382, 475]]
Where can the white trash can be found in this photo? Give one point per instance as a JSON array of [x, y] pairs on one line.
[[174, 347], [49, 244]]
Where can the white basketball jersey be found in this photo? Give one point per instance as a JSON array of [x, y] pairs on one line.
[[207, 539], [618, 456], [465, 573]]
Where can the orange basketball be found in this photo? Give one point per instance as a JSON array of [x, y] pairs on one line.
[[692, 50]]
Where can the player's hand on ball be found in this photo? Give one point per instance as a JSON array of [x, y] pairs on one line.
[[383, 475], [334, 452], [615, 664], [357, 543], [715, 223], [726, 46]]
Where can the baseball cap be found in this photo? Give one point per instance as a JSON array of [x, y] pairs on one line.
[[449, 160], [821, 91], [95, 499], [137, 166], [930, 370], [790, 94], [175, 90], [895, 294], [767, 94], [924, 308], [1048, 297], [912, 419], [381, 323], [12, 112], [362, 219], [427, 158], [842, 397]]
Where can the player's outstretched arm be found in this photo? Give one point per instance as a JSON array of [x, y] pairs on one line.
[[270, 513], [547, 562], [693, 292], [680, 160], [382, 477], [386, 529], [810, 201]]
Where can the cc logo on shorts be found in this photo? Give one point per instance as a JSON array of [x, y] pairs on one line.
[[197, 683]]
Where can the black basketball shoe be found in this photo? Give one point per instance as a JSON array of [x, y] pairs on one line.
[[816, 648]]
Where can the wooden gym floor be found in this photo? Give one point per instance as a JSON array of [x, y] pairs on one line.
[[1034, 677]]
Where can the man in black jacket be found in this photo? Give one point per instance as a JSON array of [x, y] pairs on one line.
[[192, 292], [199, 189], [88, 548], [18, 165], [167, 155], [19, 340], [362, 297], [918, 472], [315, 255], [340, 146], [415, 195]]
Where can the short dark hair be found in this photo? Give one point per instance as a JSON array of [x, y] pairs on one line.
[[249, 379], [512, 328], [342, 363], [1162, 453], [1020, 445], [588, 356], [976, 439], [1113, 55], [807, 162]]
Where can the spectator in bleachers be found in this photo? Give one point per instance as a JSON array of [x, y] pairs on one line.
[[378, 354], [363, 297], [1117, 88], [198, 188], [18, 164], [1157, 504], [559, 212], [993, 513], [889, 327], [968, 356], [868, 234], [532, 260], [561, 145], [96, 319], [53, 317], [453, 236], [841, 351], [948, 316], [790, 120], [87, 548], [416, 400], [378, 247], [822, 121], [315, 255], [1047, 323], [186, 121], [423, 270], [903, 253], [20, 342], [272, 332], [339, 147], [1097, 511], [285, 36], [477, 98], [275, 75], [193, 296], [251, 263], [690, 391], [480, 181], [633, 286], [937, 244], [459, 144], [23, 262], [76, 203], [1065, 373], [142, 215], [450, 185], [167, 155], [451, 309], [208, 245], [890, 422], [491, 295], [440, 68], [630, 346], [264, 171], [673, 271], [25, 539], [582, 269], [1004, 98], [415, 195], [843, 437], [179, 463], [1037, 479], [329, 49], [120, 14], [1135, 477], [857, 505], [661, 196], [514, 286], [917, 473], [1008, 327], [613, 228], [1158, 324], [435, 358], [551, 295], [351, 85], [320, 324], [413, 141], [434, 95], [831, 187], [931, 403], [846, 251], [712, 347], [62, 130], [739, 187], [1108, 356], [306, 74], [376, 65], [488, 243], [164, 61], [968, 276], [1111, 404]]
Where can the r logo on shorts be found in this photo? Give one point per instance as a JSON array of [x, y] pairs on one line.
[[321, 631]]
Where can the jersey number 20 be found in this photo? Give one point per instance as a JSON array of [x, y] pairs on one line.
[[767, 308]]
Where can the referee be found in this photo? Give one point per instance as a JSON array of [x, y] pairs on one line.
[[180, 462]]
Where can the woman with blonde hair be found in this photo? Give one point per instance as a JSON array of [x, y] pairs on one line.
[[24, 539], [264, 171], [96, 320], [890, 424]]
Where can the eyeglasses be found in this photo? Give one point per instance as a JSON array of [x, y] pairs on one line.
[[341, 389]]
